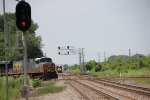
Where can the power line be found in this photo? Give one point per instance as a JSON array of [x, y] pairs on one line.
[[99, 57]]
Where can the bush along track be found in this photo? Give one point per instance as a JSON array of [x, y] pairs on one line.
[[45, 88]]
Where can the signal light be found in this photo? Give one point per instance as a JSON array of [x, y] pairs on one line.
[[23, 24], [59, 53], [23, 16], [67, 47]]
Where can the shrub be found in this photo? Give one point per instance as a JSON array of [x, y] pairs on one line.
[[88, 67], [48, 87], [98, 68], [36, 83]]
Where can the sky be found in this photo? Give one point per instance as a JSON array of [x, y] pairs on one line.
[[110, 26]]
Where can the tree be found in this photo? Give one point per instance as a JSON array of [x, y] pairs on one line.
[[98, 67], [65, 67], [34, 45], [88, 67]]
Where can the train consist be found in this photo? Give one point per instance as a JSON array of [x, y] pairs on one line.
[[40, 67]]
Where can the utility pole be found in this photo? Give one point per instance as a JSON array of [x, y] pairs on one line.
[[9, 44], [104, 56], [5, 47], [129, 52], [83, 56], [99, 59], [79, 56], [83, 68], [17, 39]]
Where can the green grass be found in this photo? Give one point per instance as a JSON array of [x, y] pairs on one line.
[[46, 88], [75, 71], [143, 81], [103, 73], [114, 73], [14, 87], [129, 73], [138, 73]]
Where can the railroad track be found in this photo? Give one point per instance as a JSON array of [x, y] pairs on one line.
[[102, 95], [136, 89], [140, 92], [122, 90], [78, 90], [130, 78]]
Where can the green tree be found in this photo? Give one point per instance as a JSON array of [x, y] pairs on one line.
[[146, 61], [98, 67], [66, 66], [88, 67], [34, 45]]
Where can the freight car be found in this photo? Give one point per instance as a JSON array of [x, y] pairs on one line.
[[40, 67]]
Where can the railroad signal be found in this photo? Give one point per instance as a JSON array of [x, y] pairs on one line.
[[59, 53], [23, 16]]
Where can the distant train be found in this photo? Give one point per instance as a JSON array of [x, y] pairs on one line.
[[59, 68], [40, 67]]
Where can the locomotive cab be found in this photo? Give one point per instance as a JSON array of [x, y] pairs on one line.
[[47, 67], [59, 68]]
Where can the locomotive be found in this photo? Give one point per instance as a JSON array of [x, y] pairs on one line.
[[59, 68], [40, 67]]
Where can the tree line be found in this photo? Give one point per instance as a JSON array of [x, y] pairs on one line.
[[120, 63], [34, 42]]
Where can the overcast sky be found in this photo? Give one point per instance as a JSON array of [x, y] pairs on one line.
[[110, 26]]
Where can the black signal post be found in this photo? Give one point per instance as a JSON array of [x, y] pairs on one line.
[[23, 16], [23, 23]]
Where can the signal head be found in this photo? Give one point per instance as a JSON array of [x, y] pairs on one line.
[[23, 16]]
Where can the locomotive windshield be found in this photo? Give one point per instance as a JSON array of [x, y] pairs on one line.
[[45, 60], [42, 60]]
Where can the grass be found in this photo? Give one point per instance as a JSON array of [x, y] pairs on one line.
[[143, 81], [14, 87], [75, 71], [107, 73], [48, 87], [138, 73], [114, 73]]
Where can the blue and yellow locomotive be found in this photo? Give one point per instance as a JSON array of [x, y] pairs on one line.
[[40, 67]]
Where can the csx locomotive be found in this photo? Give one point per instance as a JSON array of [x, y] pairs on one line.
[[40, 67], [59, 68]]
